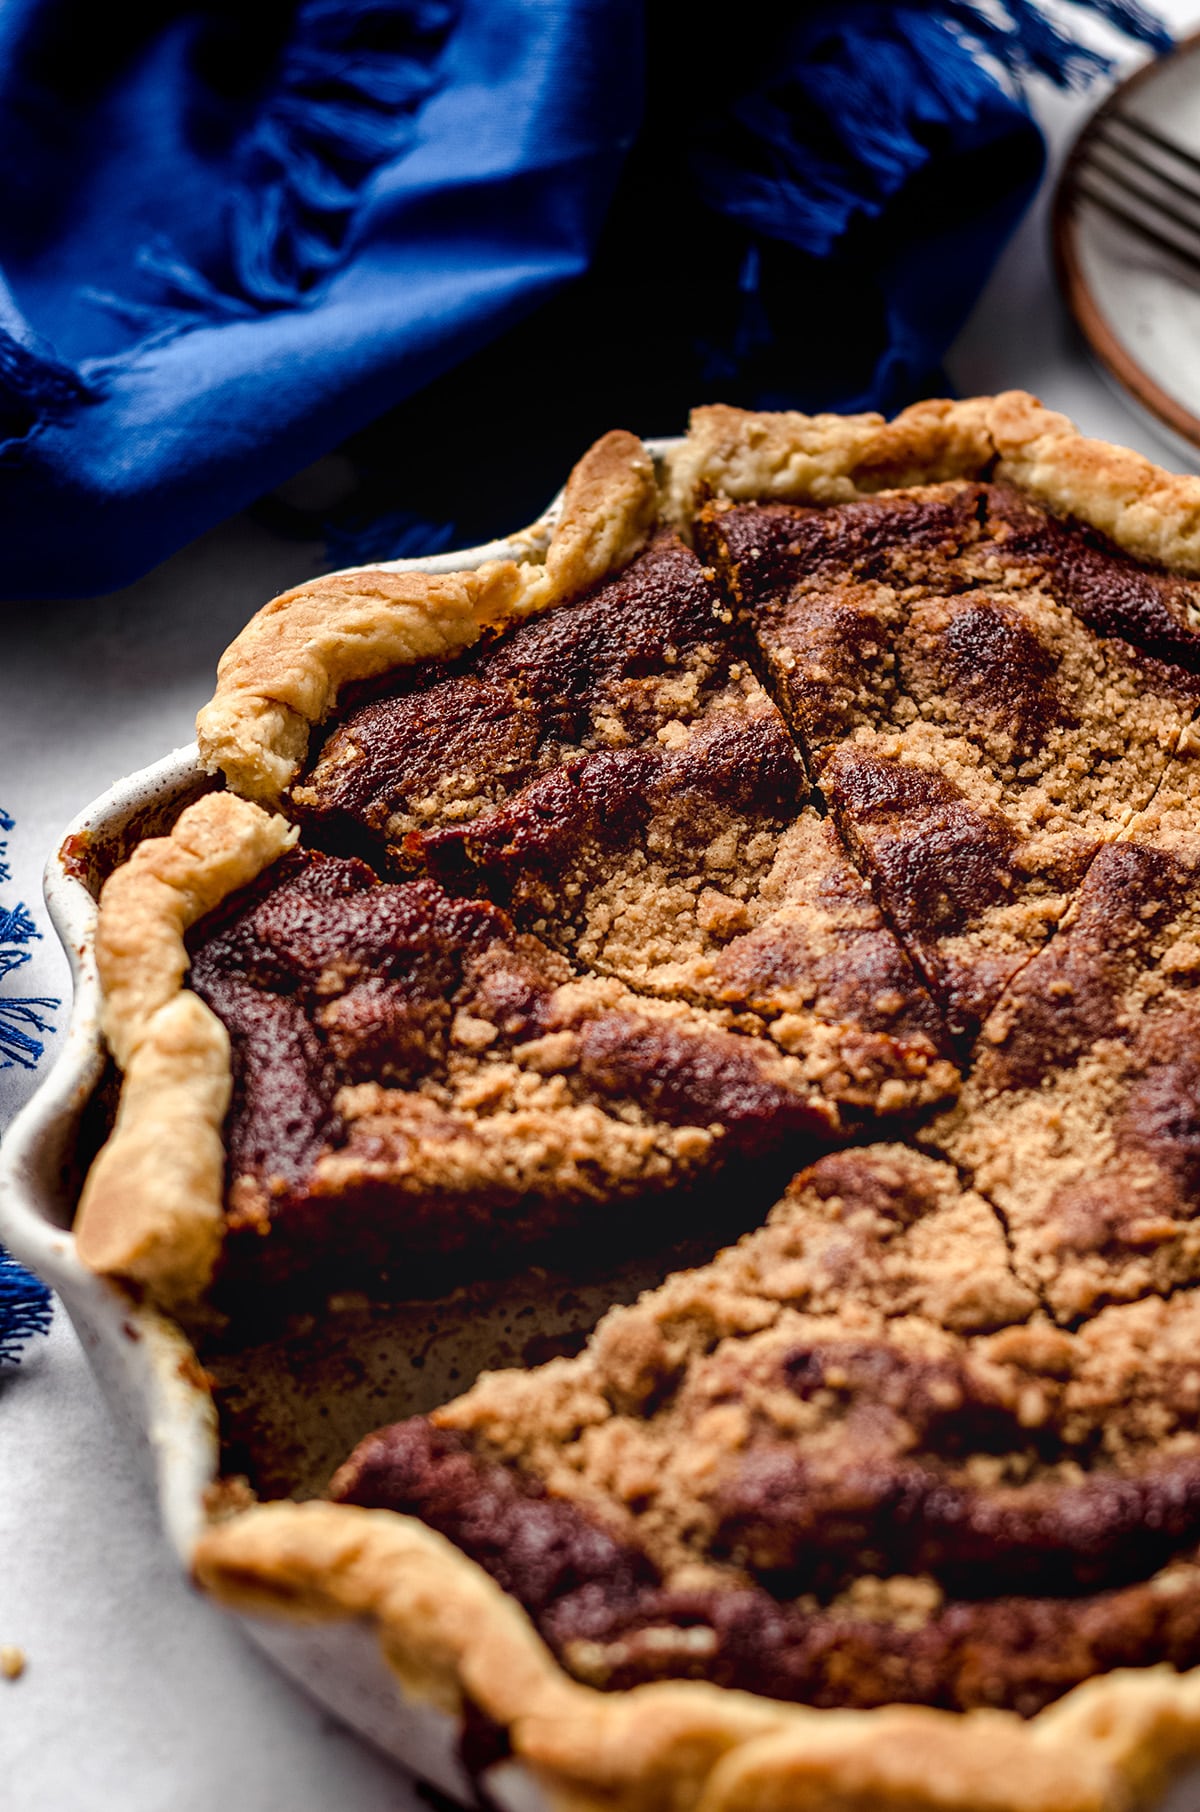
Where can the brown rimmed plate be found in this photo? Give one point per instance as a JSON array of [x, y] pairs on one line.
[[1136, 304]]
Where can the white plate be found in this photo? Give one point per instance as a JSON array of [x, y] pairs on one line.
[[1137, 307]]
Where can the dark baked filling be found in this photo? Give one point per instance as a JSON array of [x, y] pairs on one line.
[[649, 647], [658, 826], [739, 862], [413, 1077], [606, 1613]]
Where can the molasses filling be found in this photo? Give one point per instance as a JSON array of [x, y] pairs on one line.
[[645, 652], [1106, 588], [412, 1077], [977, 740], [694, 874], [840, 1464], [1081, 1118], [616, 778]]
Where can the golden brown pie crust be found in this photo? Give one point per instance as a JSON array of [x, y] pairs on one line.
[[833, 458], [453, 1638], [283, 673], [152, 1206]]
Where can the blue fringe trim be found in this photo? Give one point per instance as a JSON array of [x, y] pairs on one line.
[[25, 1303], [25, 1308], [853, 106], [352, 79], [20, 1020], [1023, 38]]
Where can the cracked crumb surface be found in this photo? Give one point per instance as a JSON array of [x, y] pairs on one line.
[[626, 666], [702, 874], [1081, 1118], [412, 1075], [976, 740], [822, 1467], [642, 807]]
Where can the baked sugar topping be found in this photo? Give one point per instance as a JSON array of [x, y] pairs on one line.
[[890, 802]]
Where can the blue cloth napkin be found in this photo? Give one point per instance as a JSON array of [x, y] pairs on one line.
[[232, 236]]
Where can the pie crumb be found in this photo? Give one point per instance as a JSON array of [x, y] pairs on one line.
[[12, 1661]]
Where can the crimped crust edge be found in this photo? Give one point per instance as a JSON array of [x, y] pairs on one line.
[[451, 1635], [152, 1206], [283, 673], [823, 459]]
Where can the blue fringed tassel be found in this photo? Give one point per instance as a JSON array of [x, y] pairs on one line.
[[853, 104], [20, 1019], [1021, 36], [25, 1308], [24, 1302]]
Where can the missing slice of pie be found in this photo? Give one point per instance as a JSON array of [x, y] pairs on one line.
[[819, 802]]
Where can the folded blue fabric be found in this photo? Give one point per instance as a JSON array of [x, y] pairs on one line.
[[233, 236]]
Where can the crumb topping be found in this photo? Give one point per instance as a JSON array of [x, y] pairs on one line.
[[413, 1075], [977, 740], [1081, 1118], [824, 1468], [893, 801], [638, 656], [652, 821]]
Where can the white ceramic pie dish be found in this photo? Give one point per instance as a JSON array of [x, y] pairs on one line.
[[143, 1362]]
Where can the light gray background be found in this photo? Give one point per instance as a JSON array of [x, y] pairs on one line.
[[137, 1693]]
